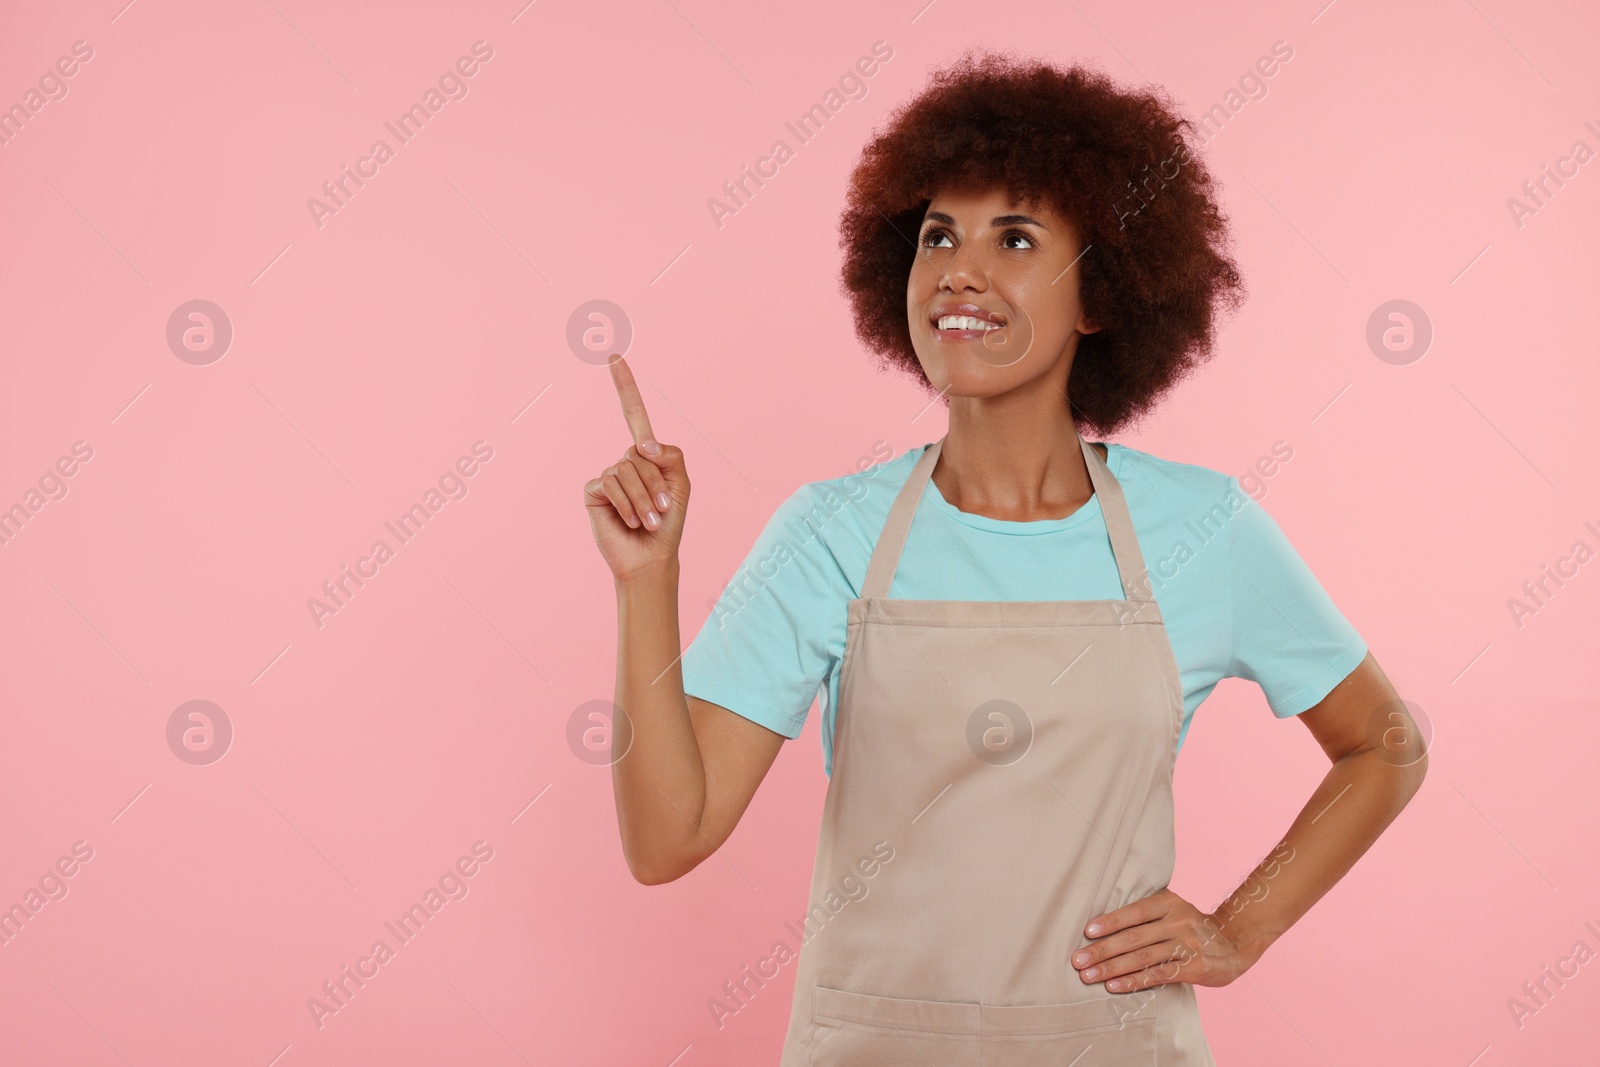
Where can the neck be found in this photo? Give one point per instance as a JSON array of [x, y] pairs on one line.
[[1009, 465]]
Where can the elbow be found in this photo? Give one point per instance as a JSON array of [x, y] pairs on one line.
[[1411, 770], [657, 870], [1421, 772], [652, 875], [1413, 758]]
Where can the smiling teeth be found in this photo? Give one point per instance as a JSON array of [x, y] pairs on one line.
[[965, 322]]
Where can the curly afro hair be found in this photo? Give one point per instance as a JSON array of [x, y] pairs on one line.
[[1116, 162]]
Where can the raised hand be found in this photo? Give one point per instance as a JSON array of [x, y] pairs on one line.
[[634, 530]]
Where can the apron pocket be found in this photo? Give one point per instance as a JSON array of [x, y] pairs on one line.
[[862, 1030], [1111, 1031]]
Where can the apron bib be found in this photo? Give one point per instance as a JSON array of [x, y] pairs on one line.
[[1002, 772]]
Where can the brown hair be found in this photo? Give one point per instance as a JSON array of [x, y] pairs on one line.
[[1155, 267]]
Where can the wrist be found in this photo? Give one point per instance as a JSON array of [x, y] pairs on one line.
[[1248, 940], [650, 578], [1250, 943]]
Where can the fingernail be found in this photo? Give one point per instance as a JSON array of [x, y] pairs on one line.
[[651, 519], [664, 500], [1094, 928], [1091, 972], [649, 445], [1081, 958]]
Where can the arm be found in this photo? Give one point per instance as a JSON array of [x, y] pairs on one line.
[[683, 770], [1378, 762], [690, 767]]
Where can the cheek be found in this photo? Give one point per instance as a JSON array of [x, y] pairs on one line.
[[921, 281], [928, 353], [1052, 316]]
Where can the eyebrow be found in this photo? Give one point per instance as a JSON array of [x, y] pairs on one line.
[[998, 220]]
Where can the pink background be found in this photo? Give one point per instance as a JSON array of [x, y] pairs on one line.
[[430, 312]]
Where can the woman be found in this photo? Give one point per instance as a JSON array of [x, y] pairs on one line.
[[1009, 678]]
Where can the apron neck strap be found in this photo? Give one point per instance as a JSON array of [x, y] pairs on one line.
[[1113, 508]]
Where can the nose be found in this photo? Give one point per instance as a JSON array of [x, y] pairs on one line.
[[965, 270]]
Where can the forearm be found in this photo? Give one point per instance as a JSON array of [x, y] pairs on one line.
[[659, 783], [1357, 800]]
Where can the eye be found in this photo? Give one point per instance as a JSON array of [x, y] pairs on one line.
[[930, 233], [1017, 233]]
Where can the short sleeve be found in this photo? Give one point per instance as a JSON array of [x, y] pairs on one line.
[[1288, 635], [762, 652]]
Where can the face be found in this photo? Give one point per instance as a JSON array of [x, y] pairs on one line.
[[1013, 267]]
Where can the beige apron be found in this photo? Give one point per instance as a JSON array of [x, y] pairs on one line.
[[1002, 773]]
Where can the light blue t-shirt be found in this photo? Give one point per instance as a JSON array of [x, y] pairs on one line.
[[1237, 599]]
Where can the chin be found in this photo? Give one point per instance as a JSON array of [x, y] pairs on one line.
[[971, 373], [971, 368], [972, 382]]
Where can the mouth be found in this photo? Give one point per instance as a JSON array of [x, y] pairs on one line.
[[964, 323]]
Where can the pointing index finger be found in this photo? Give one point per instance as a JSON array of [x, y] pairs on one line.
[[633, 406]]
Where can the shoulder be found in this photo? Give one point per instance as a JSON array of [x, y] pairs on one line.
[[1169, 486], [842, 515], [876, 477]]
